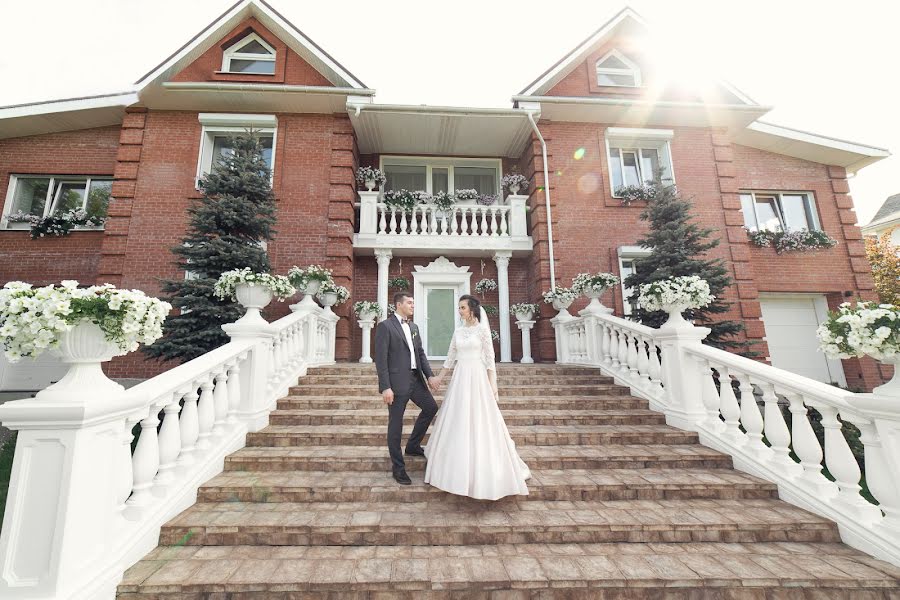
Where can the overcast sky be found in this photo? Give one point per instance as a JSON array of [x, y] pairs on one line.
[[827, 66]]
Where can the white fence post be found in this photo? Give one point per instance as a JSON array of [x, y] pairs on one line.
[[255, 404], [683, 389]]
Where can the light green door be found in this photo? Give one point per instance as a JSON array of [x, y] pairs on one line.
[[440, 320]]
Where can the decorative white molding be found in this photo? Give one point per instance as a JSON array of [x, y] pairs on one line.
[[441, 265]]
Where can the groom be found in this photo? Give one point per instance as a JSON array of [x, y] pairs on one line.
[[402, 371]]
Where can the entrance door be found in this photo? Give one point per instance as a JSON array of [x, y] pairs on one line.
[[440, 319]]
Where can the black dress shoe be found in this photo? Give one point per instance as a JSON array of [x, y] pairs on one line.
[[402, 478], [415, 451]]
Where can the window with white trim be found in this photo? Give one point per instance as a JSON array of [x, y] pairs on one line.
[[434, 175], [219, 129], [44, 195], [628, 255], [779, 211], [637, 155], [617, 70], [251, 55]]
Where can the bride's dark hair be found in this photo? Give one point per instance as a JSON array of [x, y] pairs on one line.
[[474, 305]]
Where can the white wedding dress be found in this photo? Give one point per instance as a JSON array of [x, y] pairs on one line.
[[470, 452]]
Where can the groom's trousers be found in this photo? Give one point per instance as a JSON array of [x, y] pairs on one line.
[[422, 397]]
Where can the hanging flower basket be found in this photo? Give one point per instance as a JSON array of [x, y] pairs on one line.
[[485, 285], [398, 283]]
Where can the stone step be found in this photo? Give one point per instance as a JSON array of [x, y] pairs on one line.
[[605, 402], [502, 368], [439, 524], [504, 379], [375, 458], [505, 390], [751, 571], [570, 484], [379, 416], [534, 435]]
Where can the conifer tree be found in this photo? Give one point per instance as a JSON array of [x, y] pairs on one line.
[[228, 228], [678, 247]]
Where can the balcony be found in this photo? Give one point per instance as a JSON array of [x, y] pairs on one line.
[[464, 230]]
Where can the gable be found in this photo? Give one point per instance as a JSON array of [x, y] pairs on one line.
[[290, 68]]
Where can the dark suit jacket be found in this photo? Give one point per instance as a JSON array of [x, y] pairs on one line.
[[392, 356]]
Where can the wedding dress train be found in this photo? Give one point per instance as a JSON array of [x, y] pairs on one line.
[[470, 451]]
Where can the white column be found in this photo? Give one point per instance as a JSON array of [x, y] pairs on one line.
[[526, 327], [383, 256], [502, 260], [366, 327]]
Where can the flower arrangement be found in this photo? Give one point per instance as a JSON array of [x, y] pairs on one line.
[[494, 335], [490, 309], [584, 282], [466, 195], [33, 319], [867, 328], [686, 291], [329, 287], [279, 285], [443, 201], [398, 283], [299, 278], [630, 193], [57, 224], [486, 199], [560, 294], [523, 308], [485, 285], [365, 307], [791, 241], [514, 183], [366, 175], [403, 200]]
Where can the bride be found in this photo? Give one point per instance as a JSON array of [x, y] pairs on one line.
[[470, 452]]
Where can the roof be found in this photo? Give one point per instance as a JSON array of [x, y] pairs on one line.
[[889, 211]]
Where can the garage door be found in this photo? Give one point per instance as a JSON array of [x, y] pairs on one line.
[[791, 325]]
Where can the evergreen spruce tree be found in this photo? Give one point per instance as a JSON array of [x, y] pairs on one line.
[[678, 247], [226, 231]]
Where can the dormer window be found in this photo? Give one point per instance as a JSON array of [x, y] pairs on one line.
[[616, 70], [250, 55]]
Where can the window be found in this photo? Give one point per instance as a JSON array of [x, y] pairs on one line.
[[250, 55], [616, 70], [637, 155], [218, 129], [779, 211], [46, 195], [628, 255], [434, 175]]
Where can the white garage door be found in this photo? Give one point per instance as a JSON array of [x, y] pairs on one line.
[[791, 334], [30, 374]]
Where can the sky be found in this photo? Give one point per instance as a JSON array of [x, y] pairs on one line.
[[826, 66]]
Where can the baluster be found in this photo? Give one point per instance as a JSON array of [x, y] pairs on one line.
[[582, 343], [382, 221], [145, 460], [234, 391], [881, 483], [434, 222], [623, 352], [604, 344], [806, 446], [643, 361], [421, 215], [843, 467], [751, 418], [729, 406], [220, 401], [710, 395], [777, 432], [190, 427], [451, 222], [614, 349], [632, 358], [491, 228], [655, 368], [169, 440], [205, 414], [125, 471]]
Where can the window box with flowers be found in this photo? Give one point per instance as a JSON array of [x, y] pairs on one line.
[[56, 205], [791, 241], [402, 200], [632, 193], [485, 285]]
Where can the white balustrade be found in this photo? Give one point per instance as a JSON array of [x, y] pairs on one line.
[[762, 417], [104, 504]]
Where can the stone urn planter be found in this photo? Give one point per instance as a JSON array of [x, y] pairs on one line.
[[595, 306], [254, 298], [563, 307], [676, 320], [84, 347], [328, 300]]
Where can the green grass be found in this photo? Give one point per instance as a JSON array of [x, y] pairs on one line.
[[7, 450]]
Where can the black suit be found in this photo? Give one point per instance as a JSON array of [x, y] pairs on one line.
[[395, 371]]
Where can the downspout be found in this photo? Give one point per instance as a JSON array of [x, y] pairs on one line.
[[546, 197]]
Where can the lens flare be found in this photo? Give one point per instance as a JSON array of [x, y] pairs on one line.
[[579, 154], [588, 183]]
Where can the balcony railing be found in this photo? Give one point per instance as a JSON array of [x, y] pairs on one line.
[[425, 227]]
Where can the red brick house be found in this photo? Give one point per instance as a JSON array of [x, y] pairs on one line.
[[599, 118]]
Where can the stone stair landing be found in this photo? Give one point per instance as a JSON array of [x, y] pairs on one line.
[[620, 506]]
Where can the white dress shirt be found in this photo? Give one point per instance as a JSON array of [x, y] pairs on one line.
[[406, 331]]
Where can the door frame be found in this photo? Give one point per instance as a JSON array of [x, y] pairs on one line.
[[820, 305], [440, 273]]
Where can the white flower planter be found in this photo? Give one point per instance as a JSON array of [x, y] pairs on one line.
[[84, 347], [514, 190], [253, 298], [328, 300], [366, 316], [310, 290], [892, 387], [370, 184], [562, 306], [676, 320], [524, 316], [595, 306]]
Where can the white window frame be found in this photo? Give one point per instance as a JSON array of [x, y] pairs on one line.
[[810, 202], [628, 253], [231, 53], [231, 124], [49, 199], [627, 139], [431, 163], [633, 70]]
